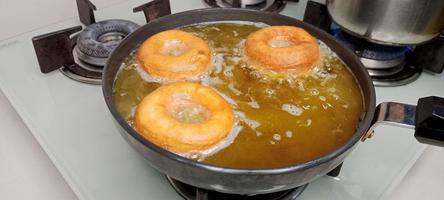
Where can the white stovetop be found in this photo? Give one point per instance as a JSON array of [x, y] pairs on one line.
[[27, 173]]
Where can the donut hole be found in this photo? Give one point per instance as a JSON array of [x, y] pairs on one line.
[[281, 42], [173, 47], [182, 108]]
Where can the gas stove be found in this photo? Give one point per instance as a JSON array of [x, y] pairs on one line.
[[71, 122]]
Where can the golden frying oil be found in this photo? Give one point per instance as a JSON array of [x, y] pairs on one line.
[[285, 120]]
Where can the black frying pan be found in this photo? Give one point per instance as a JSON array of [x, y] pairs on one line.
[[257, 181]]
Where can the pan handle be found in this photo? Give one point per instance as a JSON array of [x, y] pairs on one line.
[[427, 119]]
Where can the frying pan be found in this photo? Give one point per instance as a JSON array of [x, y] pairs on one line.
[[259, 181]]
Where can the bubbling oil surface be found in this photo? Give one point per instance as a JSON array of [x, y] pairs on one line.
[[284, 120]]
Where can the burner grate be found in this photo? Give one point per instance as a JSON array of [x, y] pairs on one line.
[[263, 5], [189, 192]]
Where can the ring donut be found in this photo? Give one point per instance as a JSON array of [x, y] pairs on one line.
[[183, 117], [282, 48], [174, 54]]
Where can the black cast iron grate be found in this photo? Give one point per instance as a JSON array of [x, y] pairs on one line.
[[189, 192], [266, 5]]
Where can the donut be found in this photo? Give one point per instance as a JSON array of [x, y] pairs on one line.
[[184, 117], [282, 49], [174, 54]]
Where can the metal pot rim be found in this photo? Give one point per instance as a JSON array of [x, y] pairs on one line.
[[363, 126]]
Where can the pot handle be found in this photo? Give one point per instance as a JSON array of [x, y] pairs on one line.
[[427, 118]]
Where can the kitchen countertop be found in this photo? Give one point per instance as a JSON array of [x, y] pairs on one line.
[[27, 173]]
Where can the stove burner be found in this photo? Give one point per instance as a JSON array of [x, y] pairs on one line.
[[96, 42], [189, 192], [386, 65], [81, 56], [79, 70], [382, 64], [388, 78], [367, 49], [264, 5]]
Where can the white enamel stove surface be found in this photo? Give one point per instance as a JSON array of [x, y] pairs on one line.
[[72, 124]]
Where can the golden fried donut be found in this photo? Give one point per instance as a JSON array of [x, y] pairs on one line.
[[282, 48], [184, 117], [174, 54]]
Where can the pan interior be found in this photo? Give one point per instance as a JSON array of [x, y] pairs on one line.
[[281, 120]]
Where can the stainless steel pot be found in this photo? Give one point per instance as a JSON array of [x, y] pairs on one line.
[[393, 22]]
